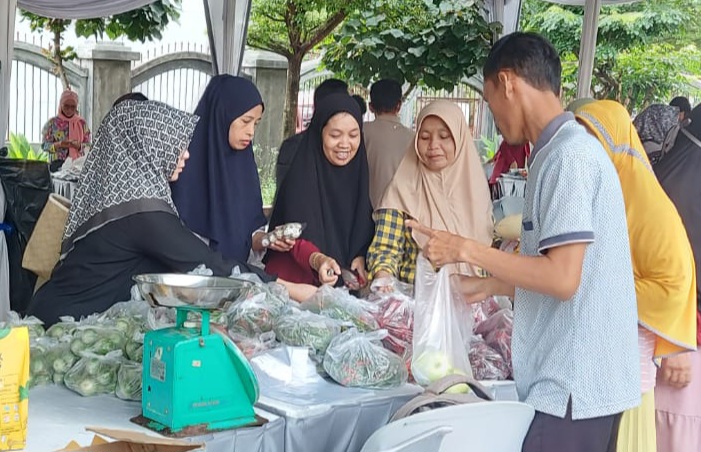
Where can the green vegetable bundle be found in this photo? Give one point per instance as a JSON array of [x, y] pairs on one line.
[[33, 324], [359, 360], [303, 328], [129, 381], [340, 305], [99, 339], [134, 349], [94, 374], [40, 370], [65, 327], [60, 358]]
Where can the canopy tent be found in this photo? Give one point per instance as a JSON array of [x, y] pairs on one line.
[[587, 49], [226, 20]]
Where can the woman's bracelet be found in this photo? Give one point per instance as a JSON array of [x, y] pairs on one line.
[[314, 260]]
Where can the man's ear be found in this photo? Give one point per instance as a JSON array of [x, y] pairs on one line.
[[506, 83]]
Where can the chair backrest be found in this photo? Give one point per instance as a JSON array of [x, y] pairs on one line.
[[474, 427]]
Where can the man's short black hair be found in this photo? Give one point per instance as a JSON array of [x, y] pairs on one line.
[[327, 87], [130, 96], [682, 103], [361, 103], [530, 56], [385, 95]]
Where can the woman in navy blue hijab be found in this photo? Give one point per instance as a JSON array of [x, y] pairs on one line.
[[218, 194]]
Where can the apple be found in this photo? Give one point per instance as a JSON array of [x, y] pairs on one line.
[[430, 366]]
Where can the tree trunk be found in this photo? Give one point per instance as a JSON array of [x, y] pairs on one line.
[[57, 59], [294, 70]]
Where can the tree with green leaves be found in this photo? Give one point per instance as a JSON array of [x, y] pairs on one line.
[[646, 51], [434, 43], [141, 24], [293, 28]]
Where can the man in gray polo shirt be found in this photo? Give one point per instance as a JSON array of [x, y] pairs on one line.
[[575, 340]]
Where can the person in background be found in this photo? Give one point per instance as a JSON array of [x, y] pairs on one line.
[[326, 188], [123, 221], [440, 183], [663, 263], [509, 156], [658, 126], [66, 134], [575, 336], [288, 148], [684, 106], [130, 96], [218, 195], [361, 104], [386, 139], [678, 391]]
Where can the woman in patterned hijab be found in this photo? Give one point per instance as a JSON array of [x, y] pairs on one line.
[[657, 126], [123, 221]]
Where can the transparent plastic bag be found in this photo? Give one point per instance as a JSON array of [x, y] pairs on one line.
[[442, 327], [395, 313], [129, 381], [306, 329], [160, 317], [60, 357], [358, 359], [33, 324], [391, 284], [256, 315], [128, 316], [481, 311], [94, 374], [40, 369], [339, 304], [100, 339], [65, 327], [251, 346], [487, 363]]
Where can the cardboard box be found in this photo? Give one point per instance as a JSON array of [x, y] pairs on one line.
[[131, 441]]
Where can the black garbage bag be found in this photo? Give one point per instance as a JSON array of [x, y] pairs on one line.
[[27, 186]]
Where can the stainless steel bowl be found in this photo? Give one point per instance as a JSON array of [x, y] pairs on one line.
[[173, 290]]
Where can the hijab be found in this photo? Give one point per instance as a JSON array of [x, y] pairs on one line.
[[678, 172], [333, 201], [218, 193], [455, 199], [654, 125], [75, 123], [136, 151], [663, 262]]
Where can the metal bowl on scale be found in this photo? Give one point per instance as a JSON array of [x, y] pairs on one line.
[[174, 290]]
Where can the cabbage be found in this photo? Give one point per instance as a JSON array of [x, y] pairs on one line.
[[129, 381]]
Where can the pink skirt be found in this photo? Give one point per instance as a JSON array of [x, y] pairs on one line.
[[678, 412]]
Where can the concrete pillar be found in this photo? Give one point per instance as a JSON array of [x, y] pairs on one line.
[[109, 76], [269, 72]]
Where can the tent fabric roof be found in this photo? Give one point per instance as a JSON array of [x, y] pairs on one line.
[[80, 9]]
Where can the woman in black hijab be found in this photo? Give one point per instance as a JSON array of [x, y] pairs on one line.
[[123, 221], [326, 188], [677, 397]]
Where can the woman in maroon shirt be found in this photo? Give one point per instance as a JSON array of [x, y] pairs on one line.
[[327, 189]]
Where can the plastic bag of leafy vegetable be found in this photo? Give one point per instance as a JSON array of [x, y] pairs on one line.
[[134, 349], [359, 360], [129, 381], [60, 358], [251, 346], [306, 329], [340, 305], [94, 374], [128, 316], [33, 324], [40, 370], [100, 339], [255, 316], [65, 327]]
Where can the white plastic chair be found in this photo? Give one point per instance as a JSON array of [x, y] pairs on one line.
[[472, 427]]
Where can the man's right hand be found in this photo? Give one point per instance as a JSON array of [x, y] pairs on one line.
[[676, 370]]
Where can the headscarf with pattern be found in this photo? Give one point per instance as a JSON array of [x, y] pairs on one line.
[[654, 125], [135, 152]]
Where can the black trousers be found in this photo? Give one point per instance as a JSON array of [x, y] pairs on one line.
[[553, 434]]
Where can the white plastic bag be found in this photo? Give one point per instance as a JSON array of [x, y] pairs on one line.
[[442, 327]]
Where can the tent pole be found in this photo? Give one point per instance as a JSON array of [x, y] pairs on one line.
[[210, 34], [587, 49]]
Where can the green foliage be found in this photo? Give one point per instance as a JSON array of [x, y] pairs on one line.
[[645, 51], [488, 147], [20, 149], [435, 43], [266, 159]]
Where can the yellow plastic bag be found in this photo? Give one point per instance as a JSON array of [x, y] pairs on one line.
[[14, 392]]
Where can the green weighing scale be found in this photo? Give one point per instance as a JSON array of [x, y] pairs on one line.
[[193, 376]]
